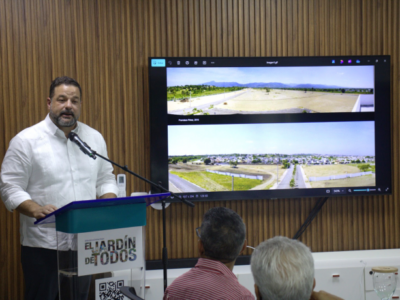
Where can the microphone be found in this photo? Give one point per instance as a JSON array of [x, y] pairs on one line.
[[82, 145]]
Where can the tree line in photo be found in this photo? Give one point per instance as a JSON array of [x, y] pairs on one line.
[[321, 90], [207, 158], [284, 160], [188, 91]]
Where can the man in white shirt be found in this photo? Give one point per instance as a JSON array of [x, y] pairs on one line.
[[42, 171]]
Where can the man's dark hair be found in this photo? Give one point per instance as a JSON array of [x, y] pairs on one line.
[[63, 80], [222, 234]]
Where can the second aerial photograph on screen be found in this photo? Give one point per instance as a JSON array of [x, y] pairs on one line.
[[270, 90], [271, 156]]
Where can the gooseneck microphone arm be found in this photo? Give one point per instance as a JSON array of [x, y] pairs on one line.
[[87, 150], [125, 168], [82, 145]]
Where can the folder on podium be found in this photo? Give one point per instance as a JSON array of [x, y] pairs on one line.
[[99, 237]]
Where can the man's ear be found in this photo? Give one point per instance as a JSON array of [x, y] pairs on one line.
[[312, 292], [244, 247], [48, 102], [201, 248], [258, 295]]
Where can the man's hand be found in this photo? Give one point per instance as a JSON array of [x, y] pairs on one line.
[[43, 211], [322, 295], [31, 209], [108, 196]]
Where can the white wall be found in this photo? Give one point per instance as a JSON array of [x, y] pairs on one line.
[[345, 274]]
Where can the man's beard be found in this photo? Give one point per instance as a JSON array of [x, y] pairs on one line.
[[64, 123]]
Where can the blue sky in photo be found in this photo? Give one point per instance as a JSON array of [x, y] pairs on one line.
[[336, 138], [343, 76]]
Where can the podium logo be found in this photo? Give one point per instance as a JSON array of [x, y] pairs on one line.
[[104, 252]]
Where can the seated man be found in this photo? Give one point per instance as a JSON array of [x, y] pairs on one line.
[[283, 269], [221, 240]]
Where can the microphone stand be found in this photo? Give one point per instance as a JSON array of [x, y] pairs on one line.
[[188, 203]]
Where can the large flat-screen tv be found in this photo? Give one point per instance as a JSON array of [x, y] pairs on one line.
[[230, 128]]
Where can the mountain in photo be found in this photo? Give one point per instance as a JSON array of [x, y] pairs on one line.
[[272, 85]]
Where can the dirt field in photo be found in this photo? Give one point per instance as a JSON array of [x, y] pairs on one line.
[[259, 100], [255, 100], [328, 170], [367, 180]]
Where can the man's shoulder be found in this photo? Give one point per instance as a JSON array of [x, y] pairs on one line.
[[208, 282], [31, 133], [87, 130]]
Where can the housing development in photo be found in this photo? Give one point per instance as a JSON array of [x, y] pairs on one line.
[[262, 90], [324, 162]]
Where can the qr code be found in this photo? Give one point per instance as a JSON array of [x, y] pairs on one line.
[[110, 290]]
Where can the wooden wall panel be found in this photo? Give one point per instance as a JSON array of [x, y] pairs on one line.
[[105, 45]]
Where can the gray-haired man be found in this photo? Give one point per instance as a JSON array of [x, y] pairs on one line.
[[283, 269]]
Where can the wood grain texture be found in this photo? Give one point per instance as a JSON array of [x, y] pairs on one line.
[[105, 45]]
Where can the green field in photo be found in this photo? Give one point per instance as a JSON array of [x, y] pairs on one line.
[[216, 182]]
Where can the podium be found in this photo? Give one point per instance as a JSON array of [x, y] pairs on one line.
[[99, 237]]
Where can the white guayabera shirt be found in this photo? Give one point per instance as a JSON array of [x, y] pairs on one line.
[[43, 165]]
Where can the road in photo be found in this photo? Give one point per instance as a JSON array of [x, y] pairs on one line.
[[285, 182], [262, 90], [299, 179], [293, 178], [271, 156]]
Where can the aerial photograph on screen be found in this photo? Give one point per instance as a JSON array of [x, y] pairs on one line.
[[271, 156], [270, 90]]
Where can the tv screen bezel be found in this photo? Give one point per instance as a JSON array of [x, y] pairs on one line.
[[159, 121]]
